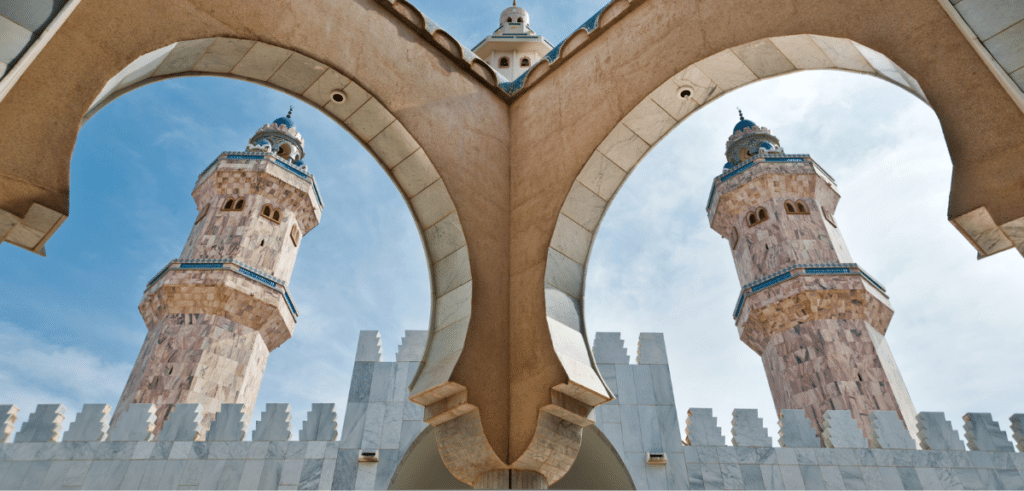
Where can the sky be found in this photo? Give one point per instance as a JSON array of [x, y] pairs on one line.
[[70, 329]]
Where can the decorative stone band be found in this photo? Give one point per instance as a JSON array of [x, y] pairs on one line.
[[733, 172], [833, 269], [243, 269], [255, 155]]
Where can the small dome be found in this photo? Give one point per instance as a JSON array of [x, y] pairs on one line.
[[287, 122], [742, 125], [516, 15]]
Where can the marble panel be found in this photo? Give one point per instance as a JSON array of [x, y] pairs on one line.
[[252, 471], [701, 85], [394, 145], [564, 274], [43, 425], [415, 172], [806, 456], [675, 471], [444, 238], [368, 348], [171, 475], [1005, 47], [650, 432], [929, 478], [571, 239], [763, 58], [661, 379], [796, 430], [732, 477], [711, 474], [623, 147], [983, 433], [726, 70], [643, 385], [970, 479], [989, 17], [391, 435], [320, 94], [297, 74], [310, 473], [143, 450], [181, 450], [369, 120], [1009, 479], [1002, 460], [432, 204], [668, 424], [91, 425], [609, 348], [670, 97], [275, 423], [55, 474], [228, 477], [327, 474], [584, 207], [832, 477], [981, 460], [883, 65], [183, 57], [296, 450], [882, 478], [841, 431], [228, 424], [261, 62], [772, 477], [826, 457], [317, 450], [865, 457], [270, 478], [936, 433], [702, 428], [791, 477], [261, 450], [949, 478], [649, 121], [909, 478], [151, 477], [321, 424], [211, 474], [693, 476], [888, 431], [411, 430], [452, 272], [386, 465], [636, 464], [707, 454], [76, 473], [748, 429], [751, 476], [161, 451], [657, 477], [802, 52], [613, 432], [786, 456], [852, 477], [383, 376], [16, 38], [626, 393], [366, 475], [601, 176], [192, 473], [632, 441], [411, 350], [183, 424], [223, 55], [373, 427], [36, 474]]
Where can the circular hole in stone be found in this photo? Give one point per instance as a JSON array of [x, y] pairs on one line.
[[685, 93], [337, 96]]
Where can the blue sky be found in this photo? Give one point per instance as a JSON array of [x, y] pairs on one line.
[[70, 329]]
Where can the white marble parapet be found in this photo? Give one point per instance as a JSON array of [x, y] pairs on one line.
[[888, 431], [91, 425], [609, 348], [321, 424], [369, 348], [651, 349], [414, 343], [937, 433], [8, 416], [184, 424], [44, 425], [702, 428], [795, 430], [748, 429], [137, 424], [228, 424], [841, 430], [275, 424], [984, 434]]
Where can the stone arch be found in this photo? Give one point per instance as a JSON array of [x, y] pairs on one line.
[[380, 132], [655, 116]]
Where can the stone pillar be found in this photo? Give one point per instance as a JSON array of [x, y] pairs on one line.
[[816, 318], [215, 314]]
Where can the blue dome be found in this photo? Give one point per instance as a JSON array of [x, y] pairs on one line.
[[285, 121], [742, 125]]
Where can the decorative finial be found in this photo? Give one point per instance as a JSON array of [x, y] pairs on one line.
[[741, 113], [513, 3], [292, 107]]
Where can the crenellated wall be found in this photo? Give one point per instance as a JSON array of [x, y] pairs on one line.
[[381, 425]]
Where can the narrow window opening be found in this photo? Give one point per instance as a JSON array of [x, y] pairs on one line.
[[751, 219], [860, 378], [524, 62], [277, 216], [509, 20], [239, 204], [801, 207], [170, 370], [503, 63], [266, 211], [261, 243], [789, 208], [295, 235], [229, 204], [762, 215]]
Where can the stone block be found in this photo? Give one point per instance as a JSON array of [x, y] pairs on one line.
[[413, 345], [888, 431], [936, 433], [228, 424], [8, 416], [748, 430], [321, 424], [609, 348], [184, 424], [983, 433], [651, 349], [137, 424], [702, 428], [1016, 425], [369, 348], [91, 425], [795, 430], [275, 424], [841, 431], [44, 425]]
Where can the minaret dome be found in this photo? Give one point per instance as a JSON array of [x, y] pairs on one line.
[[281, 138], [747, 140], [515, 15]]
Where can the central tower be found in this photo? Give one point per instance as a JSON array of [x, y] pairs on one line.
[[215, 314], [815, 317]]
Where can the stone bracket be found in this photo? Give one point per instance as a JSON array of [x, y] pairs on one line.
[[31, 231]]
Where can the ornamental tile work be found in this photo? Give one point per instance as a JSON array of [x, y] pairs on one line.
[[381, 427]]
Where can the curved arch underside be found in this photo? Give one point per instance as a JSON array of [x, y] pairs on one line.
[[507, 190]]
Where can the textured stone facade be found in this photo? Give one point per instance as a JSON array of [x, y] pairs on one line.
[[215, 314], [816, 319]]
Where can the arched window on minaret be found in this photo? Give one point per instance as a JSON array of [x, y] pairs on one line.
[[751, 219], [239, 204], [524, 62], [503, 62], [509, 20], [229, 204], [519, 20], [790, 208], [801, 207], [762, 214]]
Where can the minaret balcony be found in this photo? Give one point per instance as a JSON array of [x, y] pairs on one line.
[[225, 288], [807, 292]]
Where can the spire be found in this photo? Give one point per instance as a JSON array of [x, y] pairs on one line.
[[513, 3], [738, 109], [290, 108]]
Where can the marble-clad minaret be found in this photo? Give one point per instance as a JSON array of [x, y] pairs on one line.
[[215, 314], [816, 318]]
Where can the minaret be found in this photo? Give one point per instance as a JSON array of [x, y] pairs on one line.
[[514, 47], [215, 314], [816, 318]]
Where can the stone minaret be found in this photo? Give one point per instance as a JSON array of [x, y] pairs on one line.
[[215, 314], [816, 318]]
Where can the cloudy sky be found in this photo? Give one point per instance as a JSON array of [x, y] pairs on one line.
[[70, 329]]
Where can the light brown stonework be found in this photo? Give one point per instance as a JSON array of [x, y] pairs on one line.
[[215, 314]]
